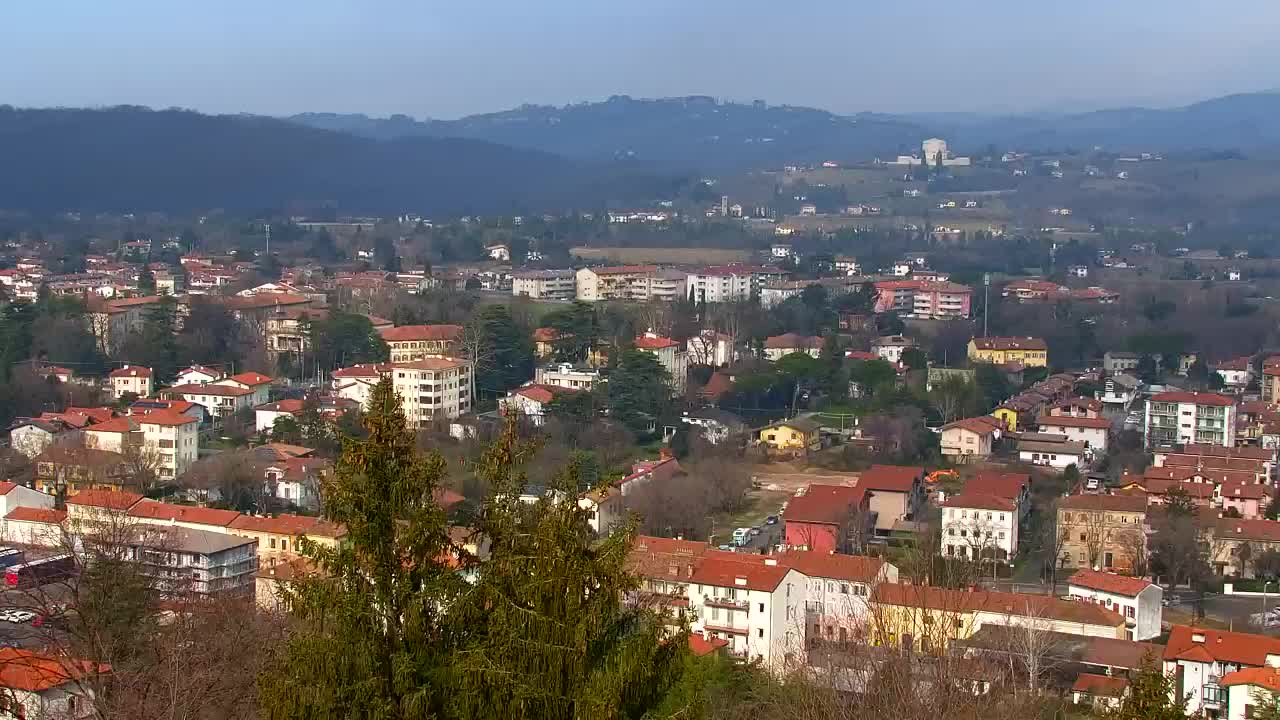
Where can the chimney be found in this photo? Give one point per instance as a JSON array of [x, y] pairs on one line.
[[1197, 637], [771, 561], [740, 581]]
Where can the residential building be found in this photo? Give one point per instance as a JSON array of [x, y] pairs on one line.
[[891, 347], [1236, 372], [356, 382], [14, 496], [923, 299], [37, 685], [753, 602], [197, 375], [72, 468], [1029, 351], [433, 387], [1092, 431], [285, 331], [1119, 362], [166, 442], [279, 536], [567, 375], [265, 416], [1053, 451], [545, 284], [723, 283], [828, 519], [970, 439], [39, 527], [132, 379], [664, 567], [1229, 537], [531, 400], [32, 436], [111, 321], [1177, 417], [296, 479], [415, 342], [896, 494], [162, 514], [1139, 600], [1244, 687], [713, 348], [670, 356], [93, 511], [544, 342], [1120, 390], [928, 619], [623, 282], [1013, 487], [980, 527], [1102, 531], [716, 425], [1199, 658], [1271, 384], [839, 586], [1260, 461], [218, 400], [181, 561], [779, 346], [795, 437]]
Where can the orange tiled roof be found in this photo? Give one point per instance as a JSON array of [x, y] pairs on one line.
[[1109, 582]]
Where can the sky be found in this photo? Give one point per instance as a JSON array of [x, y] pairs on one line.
[[429, 58]]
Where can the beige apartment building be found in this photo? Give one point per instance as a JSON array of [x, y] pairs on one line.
[[409, 343], [433, 387], [1104, 531]]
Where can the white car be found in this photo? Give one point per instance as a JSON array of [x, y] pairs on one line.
[[21, 616]]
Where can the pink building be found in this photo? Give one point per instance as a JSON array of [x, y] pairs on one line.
[[928, 299]]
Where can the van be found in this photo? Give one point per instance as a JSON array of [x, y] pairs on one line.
[[741, 535]]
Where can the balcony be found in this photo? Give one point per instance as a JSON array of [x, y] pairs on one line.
[[724, 603], [1214, 695], [710, 627]]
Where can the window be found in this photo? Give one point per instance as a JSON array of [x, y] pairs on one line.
[[759, 632], [761, 606], [1082, 537], [271, 543], [844, 588]]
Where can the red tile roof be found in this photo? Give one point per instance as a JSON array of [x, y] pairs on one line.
[[431, 363], [545, 334], [363, 370], [1194, 398], [1004, 485], [826, 504], [286, 524], [6, 487], [718, 385], [1016, 604], [1074, 422], [984, 425], [213, 389], [788, 341], [40, 515], [30, 671], [543, 393], [110, 499], [1264, 677], [725, 569], [1257, 530], [645, 342], [1109, 582], [890, 478], [1219, 645], [980, 501], [284, 406], [165, 417], [1104, 685], [251, 378], [154, 510], [412, 333], [700, 646], [836, 566], [1114, 503], [131, 371]]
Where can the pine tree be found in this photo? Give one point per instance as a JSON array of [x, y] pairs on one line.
[[551, 638], [1150, 697], [371, 642]]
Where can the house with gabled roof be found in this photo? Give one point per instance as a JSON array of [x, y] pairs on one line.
[[755, 603], [1199, 659], [1137, 599]]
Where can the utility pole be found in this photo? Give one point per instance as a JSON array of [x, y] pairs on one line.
[[268, 239], [986, 301]]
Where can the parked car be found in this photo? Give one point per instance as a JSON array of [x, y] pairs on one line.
[[755, 531], [771, 520]]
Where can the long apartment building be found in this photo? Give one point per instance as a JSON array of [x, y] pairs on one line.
[[639, 283], [925, 299], [415, 342], [729, 283], [1184, 418], [544, 284]]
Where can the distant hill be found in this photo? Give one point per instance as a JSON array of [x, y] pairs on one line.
[[698, 132], [135, 159], [687, 132]]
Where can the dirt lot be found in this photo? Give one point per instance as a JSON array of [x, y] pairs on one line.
[[662, 255]]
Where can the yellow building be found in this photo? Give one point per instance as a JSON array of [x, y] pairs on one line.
[[278, 536], [1032, 352], [927, 619], [791, 436]]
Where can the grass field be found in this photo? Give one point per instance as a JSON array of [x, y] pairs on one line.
[[637, 255]]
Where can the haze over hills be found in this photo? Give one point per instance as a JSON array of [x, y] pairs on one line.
[[135, 159], [697, 132]]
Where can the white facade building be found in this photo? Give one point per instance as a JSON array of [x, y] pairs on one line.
[[670, 355], [132, 379], [711, 348], [544, 284], [434, 387], [891, 347], [1185, 418], [567, 375], [980, 527], [754, 603], [1137, 599], [1199, 659], [1093, 432]]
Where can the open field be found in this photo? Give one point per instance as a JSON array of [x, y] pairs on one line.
[[635, 255]]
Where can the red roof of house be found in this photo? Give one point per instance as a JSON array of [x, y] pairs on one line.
[[212, 389], [545, 334], [283, 406], [1105, 685], [110, 499], [6, 487], [1244, 491], [431, 363], [827, 504], [115, 425], [981, 501], [836, 566], [1219, 645], [1004, 485], [166, 417], [286, 524], [131, 371], [366, 370], [1264, 677], [543, 393], [40, 515], [890, 478], [30, 671], [984, 425], [1109, 582], [99, 414], [717, 385], [155, 510], [1184, 473], [1073, 422], [700, 646], [1194, 398], [646, 342], [1235, 364], [1239, 529], [1114, 503], [793, 340], [1043, 606], [251, 378], [726, 569], [411, 333], [861, 355]]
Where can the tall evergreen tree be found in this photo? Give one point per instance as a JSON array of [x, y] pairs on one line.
[[638, 391], [371, 642], [1150, 697], [551, 638]]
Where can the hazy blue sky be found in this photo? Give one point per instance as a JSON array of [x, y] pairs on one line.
[[444, 59]]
